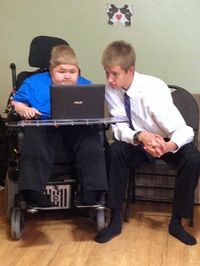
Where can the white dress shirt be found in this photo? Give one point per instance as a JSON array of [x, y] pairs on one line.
[[152, 110]]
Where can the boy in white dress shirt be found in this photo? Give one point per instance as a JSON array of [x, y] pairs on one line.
[[156, 129]]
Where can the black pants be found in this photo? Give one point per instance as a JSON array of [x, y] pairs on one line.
[[124, 156], [41, 146]]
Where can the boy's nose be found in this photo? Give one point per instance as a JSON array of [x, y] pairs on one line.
[[67, 76], [109, 78]]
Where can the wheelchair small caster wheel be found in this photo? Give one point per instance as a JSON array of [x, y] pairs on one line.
[[100, 218], [17, 223]]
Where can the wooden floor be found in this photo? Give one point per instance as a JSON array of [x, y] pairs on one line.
[[59, 238]]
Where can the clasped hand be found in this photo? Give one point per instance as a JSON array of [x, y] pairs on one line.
[[154, 144]]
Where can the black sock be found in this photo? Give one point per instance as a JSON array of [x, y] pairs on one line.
[[89, 197], [177, 230], [116, 217], [36, 198], [114, 228], [101, 197], [93, 197]]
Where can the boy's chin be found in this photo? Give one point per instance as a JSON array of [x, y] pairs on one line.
[[114, 86]]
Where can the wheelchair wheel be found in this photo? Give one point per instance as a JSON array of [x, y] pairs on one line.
[[11, 190], [17, 223], [100, 219]]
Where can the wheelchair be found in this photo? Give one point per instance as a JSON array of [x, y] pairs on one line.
[[63, 187], [3, 152]]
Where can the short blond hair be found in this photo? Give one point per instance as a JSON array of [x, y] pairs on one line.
[[63, 54], [119, 53]]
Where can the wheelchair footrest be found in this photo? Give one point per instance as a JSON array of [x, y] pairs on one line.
[[96, 206], [35, 209]]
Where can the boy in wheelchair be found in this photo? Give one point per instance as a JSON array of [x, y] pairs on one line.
[[40, 145]]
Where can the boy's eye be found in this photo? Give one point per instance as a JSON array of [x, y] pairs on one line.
[[115, 74], [70, 71], [112, 73]]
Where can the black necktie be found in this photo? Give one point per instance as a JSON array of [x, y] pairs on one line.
[[127, 105], [128, 114]]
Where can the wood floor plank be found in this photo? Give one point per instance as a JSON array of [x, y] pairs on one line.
[[64, 239]]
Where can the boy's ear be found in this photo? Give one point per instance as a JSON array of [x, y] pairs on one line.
[[131, 69]]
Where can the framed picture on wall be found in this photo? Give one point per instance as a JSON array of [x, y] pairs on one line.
[[122, 15]]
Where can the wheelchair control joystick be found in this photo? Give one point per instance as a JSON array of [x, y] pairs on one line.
[[37, 117]]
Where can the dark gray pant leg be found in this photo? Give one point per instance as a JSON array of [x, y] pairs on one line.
[[37, 157], [90, 158], [123, 156], [188, 161]]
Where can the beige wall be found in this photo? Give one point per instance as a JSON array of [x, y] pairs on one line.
[[164, 33]]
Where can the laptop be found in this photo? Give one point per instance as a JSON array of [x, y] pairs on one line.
[[77, 101]]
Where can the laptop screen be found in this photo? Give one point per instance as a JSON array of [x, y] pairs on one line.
[[77, 101]]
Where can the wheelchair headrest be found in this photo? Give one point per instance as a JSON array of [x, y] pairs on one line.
[[40, 50]]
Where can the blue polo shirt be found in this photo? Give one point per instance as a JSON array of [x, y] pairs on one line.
[[35, 92]]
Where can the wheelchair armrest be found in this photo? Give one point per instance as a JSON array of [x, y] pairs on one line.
[[13, 116]]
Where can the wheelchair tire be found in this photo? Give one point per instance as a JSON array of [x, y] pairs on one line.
[[17, 223], [11, 190], [100, 219]]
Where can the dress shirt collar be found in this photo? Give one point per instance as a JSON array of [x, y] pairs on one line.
[[135, 86]]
